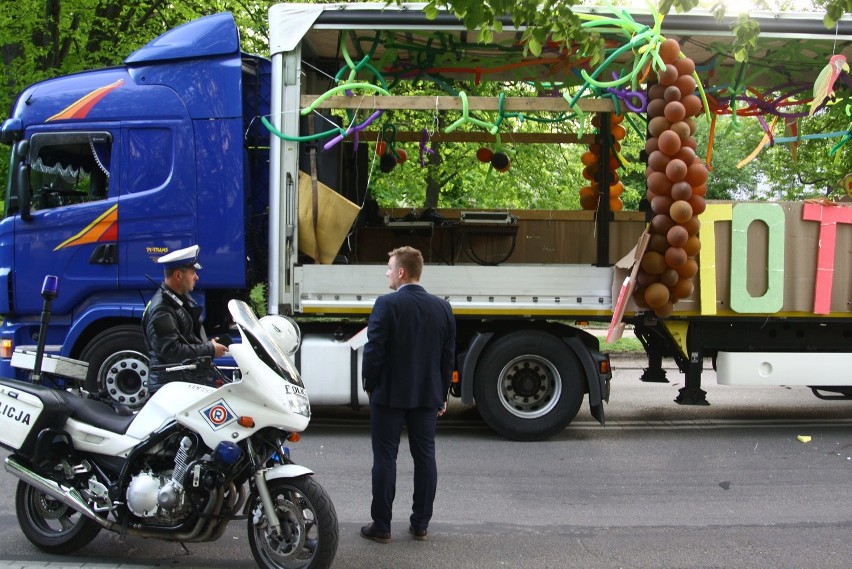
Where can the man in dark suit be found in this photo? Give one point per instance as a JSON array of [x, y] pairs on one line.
[[407, 369]]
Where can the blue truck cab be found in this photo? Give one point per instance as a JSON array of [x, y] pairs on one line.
[[109, 170]]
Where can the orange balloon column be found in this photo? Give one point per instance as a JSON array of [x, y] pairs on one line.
[[676, 184], [590, 194]]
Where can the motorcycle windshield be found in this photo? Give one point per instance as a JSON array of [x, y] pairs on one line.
[[264, 346]]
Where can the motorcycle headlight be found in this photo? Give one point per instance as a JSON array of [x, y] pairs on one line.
[[299, 404], [298, 400]]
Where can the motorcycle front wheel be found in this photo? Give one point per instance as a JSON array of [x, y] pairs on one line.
[[49, 524], [308, 535]]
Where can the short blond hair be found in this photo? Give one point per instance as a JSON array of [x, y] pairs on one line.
[[409, 259]]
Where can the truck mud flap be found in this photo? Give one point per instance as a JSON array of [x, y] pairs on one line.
[[597, 384]]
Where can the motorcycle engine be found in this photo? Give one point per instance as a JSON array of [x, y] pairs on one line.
[[153, 496]]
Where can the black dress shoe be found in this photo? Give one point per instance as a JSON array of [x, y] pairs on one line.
[[369, 532], [419, 534]]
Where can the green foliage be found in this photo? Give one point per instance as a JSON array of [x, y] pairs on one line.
[[40, 39], [622, 346]]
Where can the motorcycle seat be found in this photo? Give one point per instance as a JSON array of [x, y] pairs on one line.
[[97, 413]]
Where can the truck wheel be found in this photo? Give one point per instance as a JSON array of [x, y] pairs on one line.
[[528, 385], [118, 366]]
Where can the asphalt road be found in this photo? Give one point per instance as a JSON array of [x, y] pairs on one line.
[[661, 486]]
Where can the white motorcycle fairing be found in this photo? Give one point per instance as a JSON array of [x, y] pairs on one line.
[[260, 395]]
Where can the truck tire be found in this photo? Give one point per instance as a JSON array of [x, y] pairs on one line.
[[118, 366], [528, 385]]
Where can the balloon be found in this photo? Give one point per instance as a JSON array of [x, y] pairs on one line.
[[402, 155], [698, 204], [685, 66], [659, 184], [688, 269], [615, 204], [692, 104], [674, 111], [485, 154], [616, 190], [686, 85], [588, 191], [669, 50], [656, 91], [683, 289], [680, 211], [655, 107], [686, 154], [692, 225], [681, 191], [681, 128], [656, 295], [501, 161], [660, 205], [653, 263], [692, 246], [657, 161], [677, 237], [665, 310], [671, 93], [669, 75], [589, 202], [669, 277], [696, 174], [651, 145], [675, 257], [669, 142], [387, 162], [658, 243], [676, 170], [661, 224], [658, 125], [639, 298]]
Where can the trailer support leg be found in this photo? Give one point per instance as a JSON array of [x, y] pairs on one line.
[[655, 348], [691, 393], [654, 373]]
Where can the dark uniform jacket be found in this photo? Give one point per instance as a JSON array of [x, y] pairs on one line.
[[173, 334], [408, 358]]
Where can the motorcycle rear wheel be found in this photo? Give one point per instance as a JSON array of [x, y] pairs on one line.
[[303, 506], [49, 524]]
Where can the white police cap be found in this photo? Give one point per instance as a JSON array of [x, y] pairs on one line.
[[186, 257]]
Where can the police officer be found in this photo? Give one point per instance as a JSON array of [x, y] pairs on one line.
[[172, 322]]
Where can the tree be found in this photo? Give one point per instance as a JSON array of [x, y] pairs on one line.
[[40, 39]]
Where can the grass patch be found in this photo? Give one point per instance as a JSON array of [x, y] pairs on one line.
[[622, 346]]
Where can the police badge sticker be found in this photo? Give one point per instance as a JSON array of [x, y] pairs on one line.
[[218, 414]]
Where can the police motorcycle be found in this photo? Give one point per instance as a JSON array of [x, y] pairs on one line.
[[193, 459]]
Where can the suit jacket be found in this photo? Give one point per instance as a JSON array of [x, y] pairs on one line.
[[408, 359]]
